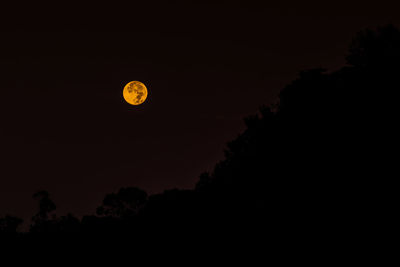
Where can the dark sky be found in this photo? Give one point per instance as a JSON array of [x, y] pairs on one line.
[[65, 127]]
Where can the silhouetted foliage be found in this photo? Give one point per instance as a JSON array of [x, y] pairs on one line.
[[376, 49], [301, 162], [67, 224], [125, 203], [9, 225], [204, 180], [46, 207]]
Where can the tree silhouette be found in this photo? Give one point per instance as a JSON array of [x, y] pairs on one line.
[[125, 203], [46, 207], [9, 225], [306, 159], [376, 49], [67, 224]]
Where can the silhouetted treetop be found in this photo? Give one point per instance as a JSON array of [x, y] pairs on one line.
[[125, 203], [46, 205], [376, 49]]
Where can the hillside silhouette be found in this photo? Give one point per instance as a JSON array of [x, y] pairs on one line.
[[298, 172]]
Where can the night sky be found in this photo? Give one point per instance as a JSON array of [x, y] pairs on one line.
[[65, 127]]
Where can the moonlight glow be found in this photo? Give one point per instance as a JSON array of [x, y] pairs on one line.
[[135, 93]]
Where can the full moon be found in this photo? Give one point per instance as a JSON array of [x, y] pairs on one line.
[[135, 93]]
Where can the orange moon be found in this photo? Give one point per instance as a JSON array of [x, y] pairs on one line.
[[135, 93]]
